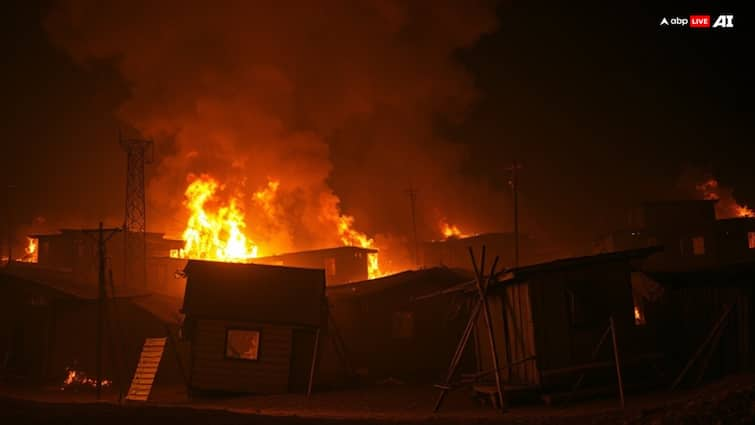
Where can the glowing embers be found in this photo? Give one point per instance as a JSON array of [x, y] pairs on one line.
[[76, 379], [214, 233]]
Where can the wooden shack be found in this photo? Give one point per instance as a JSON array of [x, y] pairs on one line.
[[48, 325], [548, 319], [390, 334], [343, 264], [253, 328], [693, 304]]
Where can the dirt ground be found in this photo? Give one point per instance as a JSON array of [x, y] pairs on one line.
[[729, 401]]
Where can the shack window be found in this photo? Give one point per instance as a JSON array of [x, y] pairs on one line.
[[242, 344], [330, 267], [698, 245], [751, 240], [403, 324]]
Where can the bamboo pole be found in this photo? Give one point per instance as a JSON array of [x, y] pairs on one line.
[[618, 362], [314, 363], [488, 323], [457, 356]]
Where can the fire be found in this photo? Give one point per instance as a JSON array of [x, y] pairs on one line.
[[79, 378], [214, 235], [726, 207], [219, 235], [449, 230], [744, 211], [351, 237], [32, 254], [265, 198]]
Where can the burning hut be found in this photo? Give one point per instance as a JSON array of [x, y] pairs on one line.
[[691, 235], [75, 250], [343, 264], [388, 333], [49, 321], [253, 328]]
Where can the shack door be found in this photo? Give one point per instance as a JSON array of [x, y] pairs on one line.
[[302, 344]]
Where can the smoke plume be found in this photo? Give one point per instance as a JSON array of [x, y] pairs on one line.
[[338, 101]]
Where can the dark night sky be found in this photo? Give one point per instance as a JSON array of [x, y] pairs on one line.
[[603, 109]]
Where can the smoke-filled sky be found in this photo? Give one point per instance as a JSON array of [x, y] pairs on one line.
[[347, 103]]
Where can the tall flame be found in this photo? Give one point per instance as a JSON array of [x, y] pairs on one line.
[[217, 235], [351, 237], [726, 207], [32, 254]]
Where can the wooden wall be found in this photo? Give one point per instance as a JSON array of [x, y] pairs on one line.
[[211, 370], [514, 336]]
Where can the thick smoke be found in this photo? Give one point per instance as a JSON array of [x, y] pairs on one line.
[[338, 100]]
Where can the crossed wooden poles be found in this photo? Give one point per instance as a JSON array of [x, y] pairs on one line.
[[482, 283]]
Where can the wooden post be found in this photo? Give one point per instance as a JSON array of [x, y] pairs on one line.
[[100, 306], [593, 356], [488, 323], [179, 362], [314, 363], [618, 362]]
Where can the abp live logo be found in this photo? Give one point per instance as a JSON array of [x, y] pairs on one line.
[[699, 21], [703, 21]]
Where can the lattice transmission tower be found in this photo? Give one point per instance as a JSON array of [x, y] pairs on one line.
[[135, 221]]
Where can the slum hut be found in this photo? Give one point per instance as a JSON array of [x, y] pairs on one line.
[[692, 306], [389, 334], [253, 328], [453, 251], [48, 328], [548, 318], [343, 264]]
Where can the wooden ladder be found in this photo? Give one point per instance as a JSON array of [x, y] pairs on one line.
[[146, 370]]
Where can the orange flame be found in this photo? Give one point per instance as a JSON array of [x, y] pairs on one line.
[[726, 207], [32, 254], [449, 230], [218, 235], [265, 198], [351, 237]]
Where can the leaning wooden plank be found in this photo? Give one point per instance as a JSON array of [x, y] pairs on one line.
[[146, 369]]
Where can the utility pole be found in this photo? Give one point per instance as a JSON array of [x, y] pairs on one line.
[[9, 218], [101, 297], [135, 220], [515, 190], [412, 200]]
